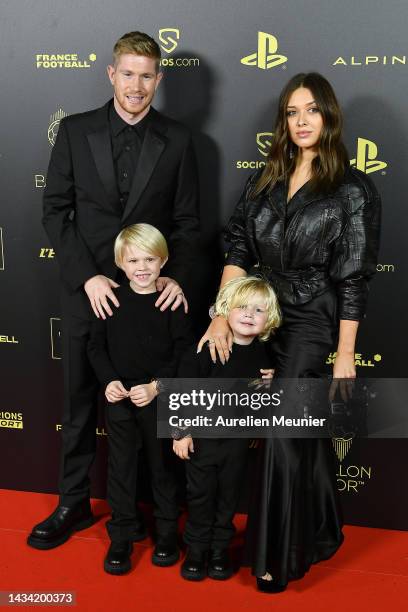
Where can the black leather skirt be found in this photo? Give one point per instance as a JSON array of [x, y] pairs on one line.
[[294, 517]]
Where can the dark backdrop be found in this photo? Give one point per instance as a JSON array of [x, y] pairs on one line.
[[360, 47]]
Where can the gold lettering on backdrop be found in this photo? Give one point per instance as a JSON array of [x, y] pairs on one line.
[[8, 339], [11, 420], [385, 268], [39, 180], [47, 253], [169, 40], [359, 360], [366, 60], [63, 60], [98, 431], [263, 142]]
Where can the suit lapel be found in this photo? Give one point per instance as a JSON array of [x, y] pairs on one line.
[[100, 144], [154, 144]]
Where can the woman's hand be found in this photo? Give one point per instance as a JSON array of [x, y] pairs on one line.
[[219, 336], [344, 366], [344, 373]]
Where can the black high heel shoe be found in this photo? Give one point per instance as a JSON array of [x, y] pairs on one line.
[[270, 586]]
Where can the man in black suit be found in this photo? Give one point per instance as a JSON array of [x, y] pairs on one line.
[[111, 167]]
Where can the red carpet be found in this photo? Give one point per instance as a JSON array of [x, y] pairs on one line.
[[370, 572]]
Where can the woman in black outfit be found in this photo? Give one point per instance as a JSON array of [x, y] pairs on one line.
[[311, 225]]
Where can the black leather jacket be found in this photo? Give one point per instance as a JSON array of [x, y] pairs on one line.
[[311, 244]]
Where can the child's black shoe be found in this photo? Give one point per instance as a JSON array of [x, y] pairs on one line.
[[117, 561], [219, 564], [194, 565]]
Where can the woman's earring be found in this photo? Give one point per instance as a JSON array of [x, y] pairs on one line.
[[291, 151]]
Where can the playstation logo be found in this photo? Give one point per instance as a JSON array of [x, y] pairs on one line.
[[169, 38], [264, 141], [366, 159], [266, 56]]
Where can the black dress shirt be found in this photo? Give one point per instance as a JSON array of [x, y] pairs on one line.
[[127, 141]]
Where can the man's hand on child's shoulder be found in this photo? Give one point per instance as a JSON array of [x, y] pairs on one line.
[[171, 294], [142, 395], [99, 289], [183, 446], [115, 391]]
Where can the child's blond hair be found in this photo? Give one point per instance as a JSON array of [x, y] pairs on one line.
[[238, 291], [143, 236]]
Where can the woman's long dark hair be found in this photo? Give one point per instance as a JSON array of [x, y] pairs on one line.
[[331, 161]]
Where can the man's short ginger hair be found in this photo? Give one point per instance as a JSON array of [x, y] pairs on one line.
[[137, 43]]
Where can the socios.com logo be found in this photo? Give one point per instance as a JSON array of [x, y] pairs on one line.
[[264, 142], [366, 157], [266, 56], [169, 38]]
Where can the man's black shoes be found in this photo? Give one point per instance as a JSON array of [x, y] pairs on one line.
[[194, 565], [166, 552], [117, 561], [60, 525], [219, 565]]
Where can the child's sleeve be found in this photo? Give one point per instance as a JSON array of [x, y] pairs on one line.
[[98, 353], [182, 337]]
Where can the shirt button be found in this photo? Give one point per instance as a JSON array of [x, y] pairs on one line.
[[130, 129], [125, 175], [127, 148]]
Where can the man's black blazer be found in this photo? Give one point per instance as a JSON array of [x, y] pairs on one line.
[[82, 211]]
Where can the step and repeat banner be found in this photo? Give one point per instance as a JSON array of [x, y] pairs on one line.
[[224, 65]]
